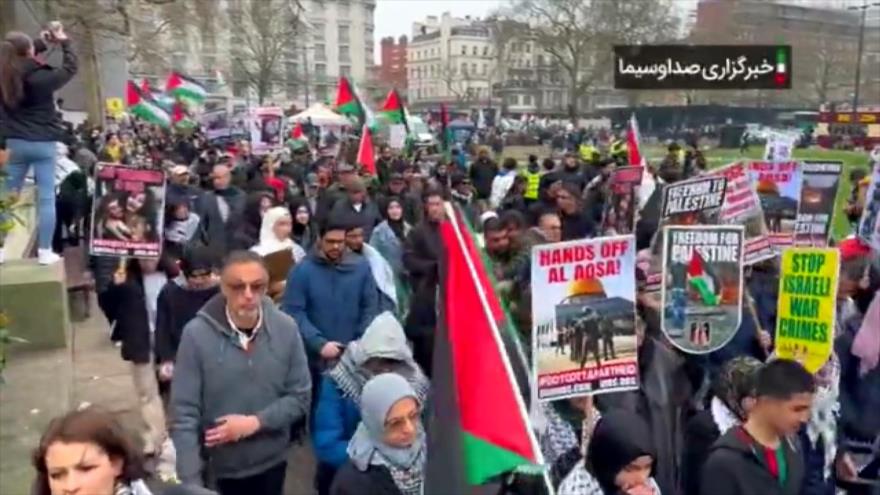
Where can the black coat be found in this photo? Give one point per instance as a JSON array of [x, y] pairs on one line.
[[734, 468], [367, 218], [128, 308], [374, 481], [213, 231], [483, 172], [35, 118], [175, 308], [421, 260]]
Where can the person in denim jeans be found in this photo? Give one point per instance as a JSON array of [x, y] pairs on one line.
[[30, 123]]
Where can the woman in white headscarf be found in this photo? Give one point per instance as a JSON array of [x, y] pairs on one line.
[[275, 233], [387, 452]]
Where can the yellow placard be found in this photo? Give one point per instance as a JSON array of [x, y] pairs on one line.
[[807, 302], [115, 107]]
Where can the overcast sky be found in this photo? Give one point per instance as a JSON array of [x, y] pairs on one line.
[[395, 17]]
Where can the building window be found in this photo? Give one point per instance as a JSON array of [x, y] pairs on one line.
[[320, 53], [178, 61], [476, 50], [343, 31], [239, 88], [540, 60], [528, 63], [485, 51], [209, 63], [474, 69], [321, 93], [344, 53], [463, 69], [345, 70], [485, 69], [320, 70], [528, 50], [343, 8], [318, 32], [527, 99], [464, 49]]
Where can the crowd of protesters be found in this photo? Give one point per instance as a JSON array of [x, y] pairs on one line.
[[232, 364]]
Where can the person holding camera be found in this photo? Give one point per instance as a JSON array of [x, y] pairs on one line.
[[29, 122]]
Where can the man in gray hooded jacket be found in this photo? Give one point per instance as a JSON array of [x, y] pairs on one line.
[[240, 380]]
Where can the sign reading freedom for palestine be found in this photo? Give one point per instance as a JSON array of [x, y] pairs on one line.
[[807, 298], [702, 67]]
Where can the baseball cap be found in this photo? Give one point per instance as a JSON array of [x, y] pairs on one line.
[[179, 170]]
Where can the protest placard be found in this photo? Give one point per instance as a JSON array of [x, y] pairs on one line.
[[266, 125], [807, 303], [778, 185], [128, 211], [869, 224], [619, 215], [220, 125], [702, 288], [397, 136], [742, 207], [821, 180], [779, 147], [691, 202], [583, 334]]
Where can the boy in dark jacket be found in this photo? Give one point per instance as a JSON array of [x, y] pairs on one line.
[[762, 456]]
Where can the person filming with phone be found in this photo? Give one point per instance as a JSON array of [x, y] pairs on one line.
[[29, 122]]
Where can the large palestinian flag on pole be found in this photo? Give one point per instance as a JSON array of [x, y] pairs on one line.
[[346, 101], [479, 428], [143, 106]]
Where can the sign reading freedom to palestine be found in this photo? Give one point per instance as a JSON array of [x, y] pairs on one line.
[[702, 67], [807, 298]]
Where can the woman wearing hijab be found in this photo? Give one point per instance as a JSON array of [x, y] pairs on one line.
[[389, 235], [304, 231], [619, 459], [381, 349], [386, 456], [275, 233], [256, 205], [728, 408]]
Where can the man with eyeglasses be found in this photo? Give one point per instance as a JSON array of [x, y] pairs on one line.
[[241, 380]]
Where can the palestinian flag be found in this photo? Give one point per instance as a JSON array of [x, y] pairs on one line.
[[393, 110], [701, 280], [632, 143], [143, 106], [346, 101], [366, 157], [479, 428], [186, 89], [297, 133], [180, 118]]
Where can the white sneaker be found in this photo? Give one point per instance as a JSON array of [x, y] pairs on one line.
[[47, 257]]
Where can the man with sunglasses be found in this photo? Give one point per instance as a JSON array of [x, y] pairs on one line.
[[240, 381]]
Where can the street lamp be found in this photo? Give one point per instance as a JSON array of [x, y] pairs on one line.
[[864, 8]]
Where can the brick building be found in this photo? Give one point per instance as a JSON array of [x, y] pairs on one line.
[[392, 67]]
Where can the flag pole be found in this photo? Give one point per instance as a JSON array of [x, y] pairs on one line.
[[484, 302]]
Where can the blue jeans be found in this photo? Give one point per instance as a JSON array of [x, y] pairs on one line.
[[41, 155]]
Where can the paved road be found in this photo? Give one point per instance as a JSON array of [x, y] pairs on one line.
[[42, 385]]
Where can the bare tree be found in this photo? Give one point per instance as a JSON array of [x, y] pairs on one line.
[[458, 82], [580, 34], [260, 40]]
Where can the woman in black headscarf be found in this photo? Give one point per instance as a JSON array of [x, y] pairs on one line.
[[304, 230], [619, 459], [256, 205]]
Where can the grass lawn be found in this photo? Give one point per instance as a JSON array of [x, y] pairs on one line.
[[722, 156]]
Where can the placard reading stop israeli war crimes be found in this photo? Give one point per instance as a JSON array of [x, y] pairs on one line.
[[778, 185], [742, 207], [583, 308], [127, 212], [702, 286], [619, 215], [807, 303], [821, 180]]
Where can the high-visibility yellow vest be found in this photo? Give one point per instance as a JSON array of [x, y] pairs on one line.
[[586, 152], [533, 180], [618, 148]]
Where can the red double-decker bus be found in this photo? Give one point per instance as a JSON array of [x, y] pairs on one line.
[[840, 128]]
